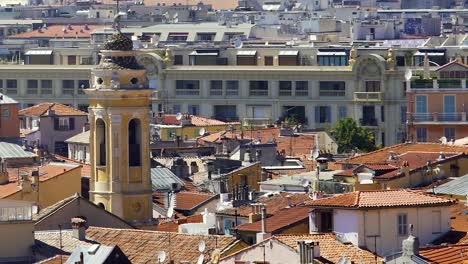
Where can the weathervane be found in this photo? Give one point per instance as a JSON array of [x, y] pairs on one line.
[[117, 18]]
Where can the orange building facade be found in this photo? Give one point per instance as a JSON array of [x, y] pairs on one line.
[[9, 120], [437, 106]]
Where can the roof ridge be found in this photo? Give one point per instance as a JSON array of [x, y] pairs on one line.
[[155, 231], [356, 203]]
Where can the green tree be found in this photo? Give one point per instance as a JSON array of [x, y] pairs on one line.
[[349, 135]]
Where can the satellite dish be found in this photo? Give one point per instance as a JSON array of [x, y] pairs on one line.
[[201, 246], [443, 140], [178, 116], [201, 258], [305, 183], [202, 131], [161, 256], [408, 74], [238, 43], [315, 153]]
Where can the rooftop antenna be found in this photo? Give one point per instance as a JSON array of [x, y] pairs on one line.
[[161, 256], [179, 116], [202, 131]]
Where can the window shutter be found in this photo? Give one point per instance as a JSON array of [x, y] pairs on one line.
[[72, 123], [317, 114], [56, 123]]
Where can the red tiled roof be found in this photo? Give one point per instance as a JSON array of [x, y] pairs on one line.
[[169, 119], [282, 219], [379, 199], [330, 248], [382, 155], [186, 200], [273, 204], [142, 246], [46, 172], [457, 62], [173, 226], [298, 145], [452, 254], [74, 31], [60, 110]]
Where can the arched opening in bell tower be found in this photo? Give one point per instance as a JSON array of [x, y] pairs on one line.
[[134, 142], [101, 142]]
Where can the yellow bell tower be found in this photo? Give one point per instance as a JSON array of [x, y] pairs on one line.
[[119, 113]]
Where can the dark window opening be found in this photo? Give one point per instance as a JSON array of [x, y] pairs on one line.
[[101, 142], [134, 142]]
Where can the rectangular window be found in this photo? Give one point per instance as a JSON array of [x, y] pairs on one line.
[[421, 134], [68, 87], [322, 114], [332, 60], [402, 224], [11, 86], [225, 113], [268, 60], [258, 88], [216, 87], [194, 109], [72, 60], [32, 87], [342, 112], [400, 61], [382, 113], [449, 104], [403, 114], [178, 60], [46, 87], [82, 84], [302, 88], [232, 88], [372, 86], [421, 104], [187, 87], [176, 108], [449, 133], [6, 113], [332, 88], [285, 88], [64, 123]]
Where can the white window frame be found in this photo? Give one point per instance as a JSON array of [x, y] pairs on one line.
[[402, 224]]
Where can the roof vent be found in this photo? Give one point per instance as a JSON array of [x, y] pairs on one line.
[[392, 156]]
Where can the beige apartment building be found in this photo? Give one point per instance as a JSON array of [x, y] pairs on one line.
[[33, 84], [260, 86]]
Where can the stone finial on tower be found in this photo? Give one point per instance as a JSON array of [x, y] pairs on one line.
[[352, 57], [391, 60]]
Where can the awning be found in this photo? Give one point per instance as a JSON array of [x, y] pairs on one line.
[[331, 53], [429, 54], [246, 52], [288, 53], [38, 52], [194, 53]]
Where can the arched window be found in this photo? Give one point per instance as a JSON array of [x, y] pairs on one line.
[[134, 142], [101, 142]]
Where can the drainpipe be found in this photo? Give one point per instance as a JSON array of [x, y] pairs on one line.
[[263, 220]]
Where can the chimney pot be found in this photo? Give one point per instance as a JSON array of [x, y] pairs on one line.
[[78, 228]]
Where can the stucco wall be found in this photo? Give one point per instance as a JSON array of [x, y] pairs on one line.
[[16, 239], [50, 135], [273, 253]]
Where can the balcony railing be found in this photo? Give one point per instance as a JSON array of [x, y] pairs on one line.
[[256, 122], [368, 121], [258, 93], [368, 96], [422, 84], [437, 117], [187, 92]]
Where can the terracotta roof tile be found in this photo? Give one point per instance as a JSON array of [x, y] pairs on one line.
[[298, 145], [382, 155], [280, 220], [453, 254], [173, 226], [330, 248], [142, 246], [273, 204], [46, 172], [383, 198], [76, 31], [169, 119], [60, 110]]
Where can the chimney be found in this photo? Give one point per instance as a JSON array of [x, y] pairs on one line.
[[264, 220], [35, 177], [288, 197], [410, 245], [405, 168], [254, 216], [78, 228], [4, 178], [25, 183], [308, 251]]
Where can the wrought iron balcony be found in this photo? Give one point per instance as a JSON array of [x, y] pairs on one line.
[[368, 96]]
